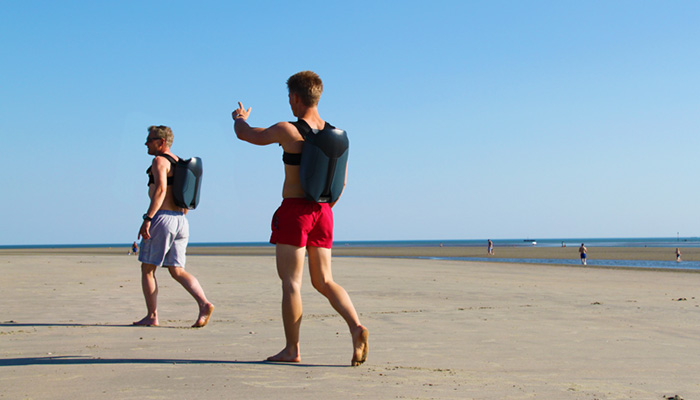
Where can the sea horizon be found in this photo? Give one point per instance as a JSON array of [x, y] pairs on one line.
[[684, 242]]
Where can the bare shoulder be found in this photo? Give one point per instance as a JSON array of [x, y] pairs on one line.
[[287, 129], [286, 132], [161, 163]]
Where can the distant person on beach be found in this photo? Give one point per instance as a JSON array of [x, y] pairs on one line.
[[678, 254], [300, 225], [490, 247], [582, 251], [165, 232], [134, 249]]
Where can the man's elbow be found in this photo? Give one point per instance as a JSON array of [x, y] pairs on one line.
[[241, 135]]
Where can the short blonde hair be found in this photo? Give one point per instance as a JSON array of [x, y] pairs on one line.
[[163, 132], [307, 85]]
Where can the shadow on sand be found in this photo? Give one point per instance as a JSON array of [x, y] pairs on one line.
[[82, 360], [76, 325]]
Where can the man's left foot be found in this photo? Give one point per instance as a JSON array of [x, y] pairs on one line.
[[204, 314], [360, 341]]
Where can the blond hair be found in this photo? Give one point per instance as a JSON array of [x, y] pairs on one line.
[[307, 85]]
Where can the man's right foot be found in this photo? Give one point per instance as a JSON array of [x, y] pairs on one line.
[[147, 321], [284, 356]]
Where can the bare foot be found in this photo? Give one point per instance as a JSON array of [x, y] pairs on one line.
[[285, 356], [360, 340], [147, 321], [204, 314]]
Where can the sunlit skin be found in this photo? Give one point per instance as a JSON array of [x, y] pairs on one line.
[[161, 198], [290, 259]]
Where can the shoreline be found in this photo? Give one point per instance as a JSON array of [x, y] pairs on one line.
[[553, 253], [624, 258]]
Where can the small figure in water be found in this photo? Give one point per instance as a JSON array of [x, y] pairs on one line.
[[583, 250]]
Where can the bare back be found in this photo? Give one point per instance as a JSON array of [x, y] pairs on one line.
[[294, 143]]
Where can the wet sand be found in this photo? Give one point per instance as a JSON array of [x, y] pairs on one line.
[[438, 329]]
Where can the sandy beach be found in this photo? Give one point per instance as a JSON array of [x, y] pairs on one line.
[[438, 329]]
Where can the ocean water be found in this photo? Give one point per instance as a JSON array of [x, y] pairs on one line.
[[661, 242], [652, 264], [681, 242]]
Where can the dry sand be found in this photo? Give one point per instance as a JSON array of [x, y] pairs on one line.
[[438, 330]]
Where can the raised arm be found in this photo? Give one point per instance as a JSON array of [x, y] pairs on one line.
[[281, 132]]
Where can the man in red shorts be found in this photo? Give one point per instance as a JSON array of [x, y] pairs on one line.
[[301, 225]]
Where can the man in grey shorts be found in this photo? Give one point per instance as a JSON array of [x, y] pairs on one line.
[[165, 232]]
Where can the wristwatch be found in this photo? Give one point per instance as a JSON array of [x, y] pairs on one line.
[[147, 218]]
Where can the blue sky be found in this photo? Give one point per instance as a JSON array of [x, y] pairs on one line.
[[467, 120]]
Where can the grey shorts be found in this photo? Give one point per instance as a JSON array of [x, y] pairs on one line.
[[168, 243]]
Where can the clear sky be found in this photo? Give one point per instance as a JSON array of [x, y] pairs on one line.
[[467, 119]]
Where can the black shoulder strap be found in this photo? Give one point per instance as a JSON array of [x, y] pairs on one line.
[[302, 127], [167, 157]]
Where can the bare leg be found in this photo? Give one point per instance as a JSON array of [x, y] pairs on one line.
[[322, 280], [191, 284], [149, 284], [290, 267]]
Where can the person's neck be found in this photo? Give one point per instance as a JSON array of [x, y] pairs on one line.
[[311, 116], [165, 150]]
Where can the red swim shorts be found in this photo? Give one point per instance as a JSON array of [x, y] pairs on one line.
[[301, 222]]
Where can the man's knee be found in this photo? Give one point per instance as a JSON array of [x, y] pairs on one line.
[[148, 269], [291, 286], [321, 285], [176, 272]]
